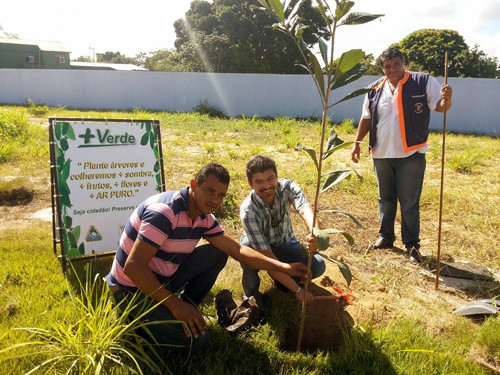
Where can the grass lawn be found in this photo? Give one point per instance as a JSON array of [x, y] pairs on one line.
[[400, 323]]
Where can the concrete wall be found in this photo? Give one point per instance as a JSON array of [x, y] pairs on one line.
[[476, 102]]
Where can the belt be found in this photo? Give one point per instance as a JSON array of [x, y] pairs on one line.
[[114, 288]]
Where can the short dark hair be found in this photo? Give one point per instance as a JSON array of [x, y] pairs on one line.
[[259, 164], [215, 169], [391, 53]]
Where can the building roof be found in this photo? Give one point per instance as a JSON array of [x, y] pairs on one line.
[[42, 44], [108, 66]]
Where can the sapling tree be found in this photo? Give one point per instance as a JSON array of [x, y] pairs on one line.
[[327, 76]]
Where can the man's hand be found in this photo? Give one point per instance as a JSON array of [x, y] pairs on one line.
[[191, 315], [300, 270], [355, 152], [446, 92], [312, 243], [301, 294]]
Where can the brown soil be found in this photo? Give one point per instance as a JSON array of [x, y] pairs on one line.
[[323, 327], [18, 205]]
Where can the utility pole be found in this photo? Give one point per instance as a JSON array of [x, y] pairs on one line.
[[93, 53]]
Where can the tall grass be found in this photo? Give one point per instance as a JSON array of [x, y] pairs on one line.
[[20, 139], [97, 336]]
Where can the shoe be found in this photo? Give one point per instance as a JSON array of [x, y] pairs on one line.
[[382, 243], [414, 255]]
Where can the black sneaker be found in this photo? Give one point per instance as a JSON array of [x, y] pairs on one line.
[[414, 255], [382, 243]]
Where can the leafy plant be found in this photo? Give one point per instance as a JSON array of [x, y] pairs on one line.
[[100, 336], [333, 75], [13, 125], [204, 108], [464, 161], [36, 109]]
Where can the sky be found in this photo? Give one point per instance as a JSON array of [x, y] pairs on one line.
[[131, 26]]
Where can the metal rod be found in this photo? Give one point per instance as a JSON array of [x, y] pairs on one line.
[[438, 258]]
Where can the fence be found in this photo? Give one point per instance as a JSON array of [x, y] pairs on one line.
[[475, 109]]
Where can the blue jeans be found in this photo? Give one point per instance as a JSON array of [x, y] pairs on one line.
[[400, 179], [197, 274], [290, 252]]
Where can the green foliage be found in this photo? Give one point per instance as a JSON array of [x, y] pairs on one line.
[[338, 73], [97, 336], [166, 60], [36, 109], [489, 337], [229, 208], [13, 124], [346, 126], [225, 36], [475, 63], [425, 49], [465, 161], [114, 58], [204, 108], [18, 137]]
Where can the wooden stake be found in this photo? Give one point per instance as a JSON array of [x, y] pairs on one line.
[[442, 175]]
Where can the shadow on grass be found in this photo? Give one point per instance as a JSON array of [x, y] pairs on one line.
[[224, 354], [473, 279], [77, 273]]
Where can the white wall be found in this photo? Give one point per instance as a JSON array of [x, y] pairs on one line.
[[476, 102]]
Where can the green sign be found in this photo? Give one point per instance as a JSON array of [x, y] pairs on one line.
[[102, 169]]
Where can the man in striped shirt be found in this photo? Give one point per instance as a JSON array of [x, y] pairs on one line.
[[157, 256], [265, 215]]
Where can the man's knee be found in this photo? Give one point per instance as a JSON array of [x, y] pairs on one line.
[[216, 256], [318, 266]]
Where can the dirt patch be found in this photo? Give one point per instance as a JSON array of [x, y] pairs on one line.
[[16, 197], [17, 205], [324, 325]]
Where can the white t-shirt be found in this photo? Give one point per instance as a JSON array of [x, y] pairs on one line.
[[389, 142]]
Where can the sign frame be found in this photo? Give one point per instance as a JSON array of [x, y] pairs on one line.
[[57, 217]]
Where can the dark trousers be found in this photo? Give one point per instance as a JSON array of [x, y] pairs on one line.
[[197, 274], [400, 180], [290, 252]]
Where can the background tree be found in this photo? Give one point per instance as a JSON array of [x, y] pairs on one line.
[[475, 63], [83, 59], [164, 59], [225, 36], [114, 58], [424, 50]]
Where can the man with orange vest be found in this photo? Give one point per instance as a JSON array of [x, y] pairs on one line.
[[396, 113]]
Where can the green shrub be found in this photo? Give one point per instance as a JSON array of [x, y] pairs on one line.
[[36, 109], [345, 127], [99, 337], [464, 161], [204, 108], [13, 124]]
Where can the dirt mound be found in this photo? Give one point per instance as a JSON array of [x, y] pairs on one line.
[[324, 324]]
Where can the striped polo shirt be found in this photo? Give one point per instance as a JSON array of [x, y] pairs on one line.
[[162, 221]]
